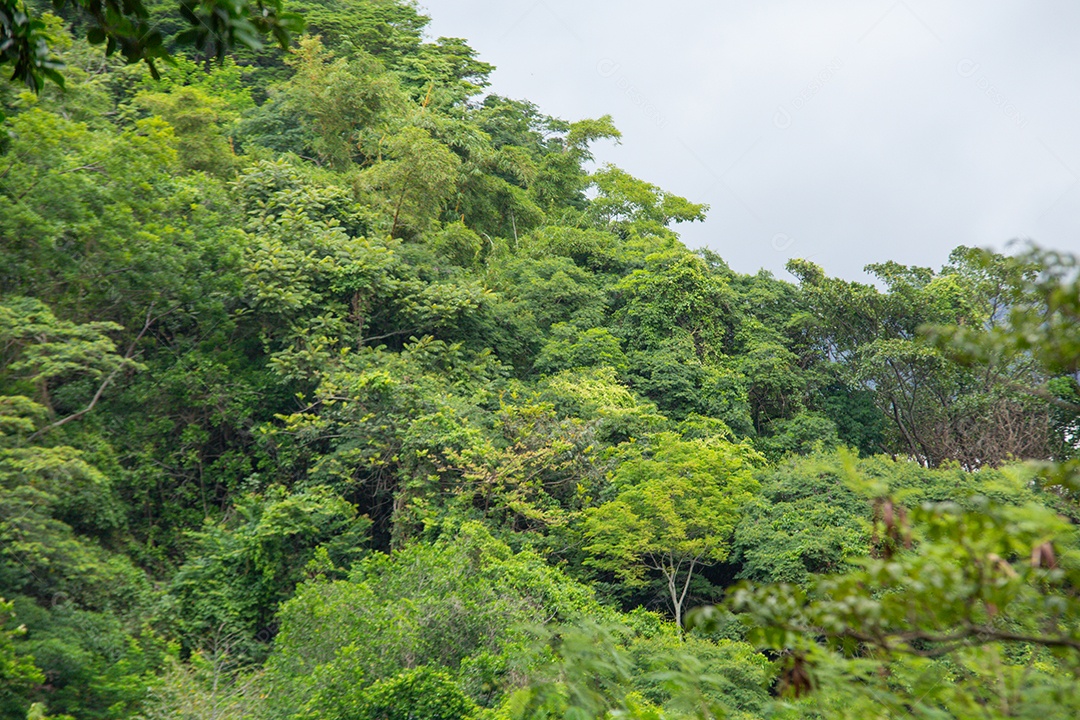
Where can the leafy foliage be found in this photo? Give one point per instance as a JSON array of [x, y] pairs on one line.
[[332, 385], [674, 512]]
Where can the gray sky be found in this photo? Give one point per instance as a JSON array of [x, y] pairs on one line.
[[843, 131]]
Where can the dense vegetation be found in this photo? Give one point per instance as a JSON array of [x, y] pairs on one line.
[[334, 386]]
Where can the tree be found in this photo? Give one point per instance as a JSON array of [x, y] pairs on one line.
[[938, 409], [215, 28], [237, 574], [642, 669], [346, 104], [47, 351], [1035, 327], [807, 519], [207, 686], [675, 512], [97, 665], [421, 693], [464, 603], [958, 613], [595, 395], [561, 180], [196, 118], [632, 207], [963, 609], [442, 74], [416, 177], [676, 294]]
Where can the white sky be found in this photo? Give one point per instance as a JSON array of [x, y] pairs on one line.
[[843, 131]]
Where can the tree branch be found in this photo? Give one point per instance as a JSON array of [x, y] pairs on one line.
[[389, 334], [1044, 394]]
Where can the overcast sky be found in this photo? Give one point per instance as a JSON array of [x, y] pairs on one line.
[[845, 131]]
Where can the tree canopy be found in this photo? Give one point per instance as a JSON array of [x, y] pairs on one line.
[[335, 385]]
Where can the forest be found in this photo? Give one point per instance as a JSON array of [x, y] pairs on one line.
[[335, 385]]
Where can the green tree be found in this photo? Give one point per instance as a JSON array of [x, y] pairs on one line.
[[214, 28], [1034, 329], [675, 511], [597, 396], [643, 669], [938, 409], [977, 619], [97, 665], [237, 574], [561, 179], [197, 120], [47, 352], [421, 693], [416, 178], [346, 103], [442, 74], [808, 520], [463, 603], [632, 207], [207, 685]]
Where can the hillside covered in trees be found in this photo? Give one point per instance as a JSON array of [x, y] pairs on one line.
[[335, 385]]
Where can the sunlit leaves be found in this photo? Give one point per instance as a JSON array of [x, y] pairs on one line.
[[675, 511], [416, 177], [633, 207], [342, 101]]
